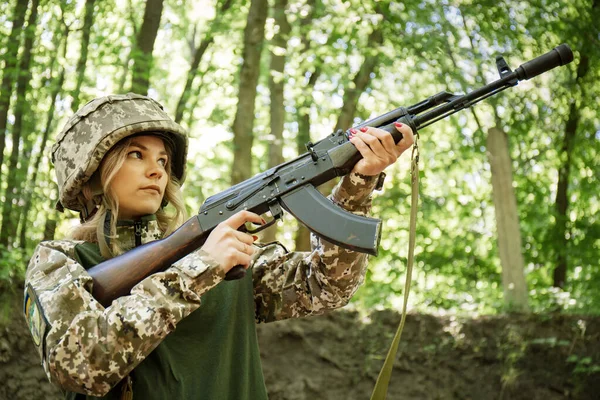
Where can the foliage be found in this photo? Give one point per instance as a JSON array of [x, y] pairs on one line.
[[12, 271], [11, 267]]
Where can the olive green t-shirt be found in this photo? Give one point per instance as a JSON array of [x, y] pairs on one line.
[[212, 354]]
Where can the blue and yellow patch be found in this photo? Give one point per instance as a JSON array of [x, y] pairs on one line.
[[34, 315]]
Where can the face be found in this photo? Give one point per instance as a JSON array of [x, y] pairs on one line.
[[141, 181]]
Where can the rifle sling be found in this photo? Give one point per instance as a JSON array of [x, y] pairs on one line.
[[381, 386]]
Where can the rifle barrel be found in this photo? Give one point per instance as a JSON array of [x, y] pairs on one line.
[[560, 55]]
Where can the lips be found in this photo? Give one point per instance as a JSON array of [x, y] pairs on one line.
[[152, 187]]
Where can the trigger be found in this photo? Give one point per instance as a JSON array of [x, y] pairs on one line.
[[275, 210]]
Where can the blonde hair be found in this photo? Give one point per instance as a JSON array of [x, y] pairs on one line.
[[98, 190]]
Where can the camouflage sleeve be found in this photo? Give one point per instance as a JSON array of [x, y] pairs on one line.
[[87, 348], [291, 285]]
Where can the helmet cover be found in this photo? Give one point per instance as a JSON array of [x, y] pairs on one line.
[[93, 130]]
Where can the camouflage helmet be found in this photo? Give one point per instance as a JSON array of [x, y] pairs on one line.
[[93, 130]]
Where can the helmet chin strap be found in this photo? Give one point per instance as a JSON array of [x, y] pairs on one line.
[[107, 227], [90, 206]]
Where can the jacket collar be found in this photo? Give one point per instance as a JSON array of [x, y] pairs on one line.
[[132, 233]]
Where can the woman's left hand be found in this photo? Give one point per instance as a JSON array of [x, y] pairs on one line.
[[378, 148]]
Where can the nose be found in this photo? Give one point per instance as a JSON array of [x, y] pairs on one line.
[[155, 170]]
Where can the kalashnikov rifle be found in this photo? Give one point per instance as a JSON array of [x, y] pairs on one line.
[[291, 186]]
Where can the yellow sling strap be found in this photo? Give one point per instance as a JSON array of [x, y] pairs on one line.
[[381, 386]]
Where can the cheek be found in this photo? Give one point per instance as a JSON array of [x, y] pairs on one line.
[[119, 189], [123, 181]]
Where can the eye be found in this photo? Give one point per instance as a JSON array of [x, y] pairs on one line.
[[163, 162], [135, 154]]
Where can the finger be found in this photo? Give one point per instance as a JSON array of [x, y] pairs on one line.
[[364, 150], [373, 142], [408, 137], [386, 140], [244, 248], [381, 155], [249, 249], [240, 218], [244, 237], [403, 145], [238, 254], [243, 259]]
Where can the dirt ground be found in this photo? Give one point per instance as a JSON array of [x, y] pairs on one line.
[[338, 356]]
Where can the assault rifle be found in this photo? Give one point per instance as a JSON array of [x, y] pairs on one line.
[[291, 186]]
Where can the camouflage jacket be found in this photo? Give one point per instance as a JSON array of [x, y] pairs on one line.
[[87, 348]]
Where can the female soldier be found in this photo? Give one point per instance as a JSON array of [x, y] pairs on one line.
[[178, 333]]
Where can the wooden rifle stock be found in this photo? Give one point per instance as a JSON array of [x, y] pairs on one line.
[[116, 277]]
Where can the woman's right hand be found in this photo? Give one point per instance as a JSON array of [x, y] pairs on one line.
[[230, 247]]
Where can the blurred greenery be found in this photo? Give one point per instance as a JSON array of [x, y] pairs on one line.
[[429, 46]]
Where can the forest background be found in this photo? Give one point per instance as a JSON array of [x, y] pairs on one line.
[[254, 80]]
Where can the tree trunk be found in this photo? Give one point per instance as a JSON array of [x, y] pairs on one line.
[[198, 54], [505, 202], [507, 223], [10, 70], [125, 73], [187, 91], [142, 57], [351, 94], [52, 217], [302, 238], [243, 123], [197, 89], [50, 226], [130, 51], [360, 82], [562, 228], [88, 21], [276, 86], [57, 89], [13, 185]]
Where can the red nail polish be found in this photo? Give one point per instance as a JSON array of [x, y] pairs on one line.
[[363, 129], [255, 237], [353, 131], [398, 124], [263, 221]]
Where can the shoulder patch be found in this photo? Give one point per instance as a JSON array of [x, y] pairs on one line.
[[36, 321]]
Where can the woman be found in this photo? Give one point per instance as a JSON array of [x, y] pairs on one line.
[[181, 333]]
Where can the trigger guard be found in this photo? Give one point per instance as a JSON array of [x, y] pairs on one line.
[[276, 212]]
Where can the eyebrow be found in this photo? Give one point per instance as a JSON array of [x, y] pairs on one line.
[[141, 146]]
